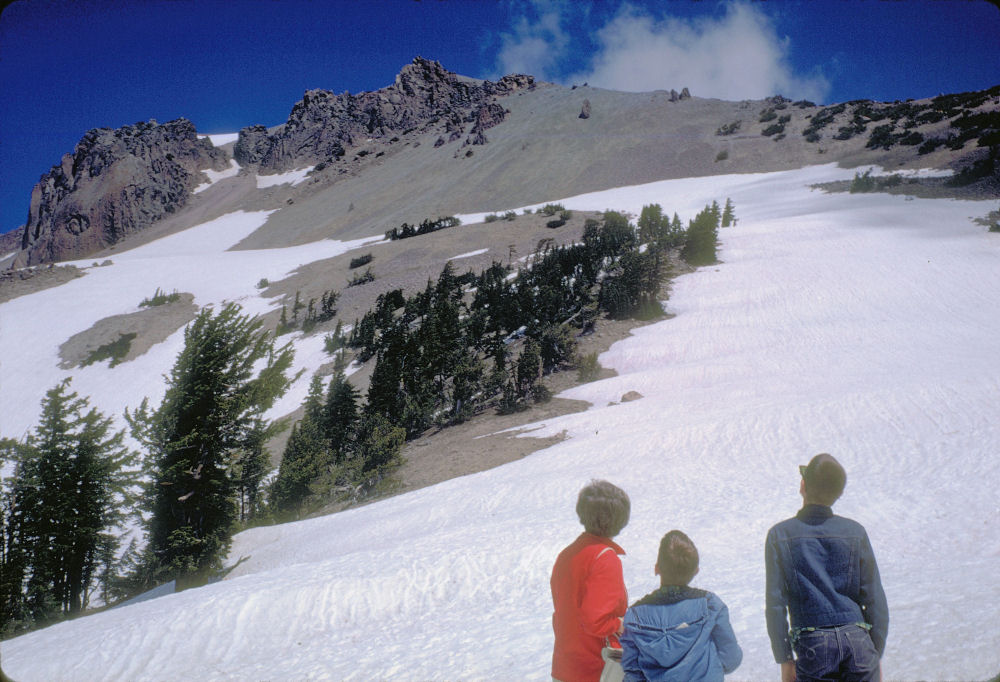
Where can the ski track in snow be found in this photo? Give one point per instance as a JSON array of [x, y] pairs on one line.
[[861, 325]]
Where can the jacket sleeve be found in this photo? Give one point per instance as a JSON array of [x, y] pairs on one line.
[[630, 652], [873, 601], [603, 601], [730, 653], [776, 601]]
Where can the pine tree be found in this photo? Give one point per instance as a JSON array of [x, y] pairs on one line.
[[211, 414], [340, 416], [528, 365], [650, 220], [379, 443], [728, 214], [283, 322], [68, 474], [702, 238], [253, 463], [556, 347], [466, 384], [305, 455]]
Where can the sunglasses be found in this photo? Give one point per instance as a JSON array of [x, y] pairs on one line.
[[802, 470]]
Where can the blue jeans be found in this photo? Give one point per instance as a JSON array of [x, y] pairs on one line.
[[843, 653]]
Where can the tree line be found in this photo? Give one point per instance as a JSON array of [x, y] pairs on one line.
[[472, 342]]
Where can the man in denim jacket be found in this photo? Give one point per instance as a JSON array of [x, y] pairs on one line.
[[821, 572]]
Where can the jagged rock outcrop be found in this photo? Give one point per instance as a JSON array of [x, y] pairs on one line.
[[322, 125], [585, 109], [485, 118], [115, 183]]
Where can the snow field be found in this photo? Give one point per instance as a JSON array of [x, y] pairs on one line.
[[860, 325], [194, 261]]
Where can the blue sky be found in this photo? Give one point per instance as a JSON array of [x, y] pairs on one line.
[[66, 67]]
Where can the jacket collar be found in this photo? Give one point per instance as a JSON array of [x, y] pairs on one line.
[[670, 594], [815, 512], [591, 539]]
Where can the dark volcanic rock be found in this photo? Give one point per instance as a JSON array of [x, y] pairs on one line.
[[115, 183], [488, 116], [323, 125]]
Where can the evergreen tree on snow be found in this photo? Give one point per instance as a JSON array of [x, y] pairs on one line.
[[210, 416], [70, 483], [305, 455], [728, 214]]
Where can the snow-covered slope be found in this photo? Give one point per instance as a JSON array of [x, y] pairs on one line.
[[861, 325]]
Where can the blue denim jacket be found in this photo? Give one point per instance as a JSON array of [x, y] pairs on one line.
[[821, 572]]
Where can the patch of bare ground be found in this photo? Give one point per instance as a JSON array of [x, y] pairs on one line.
[[14, 283], [149, 326]]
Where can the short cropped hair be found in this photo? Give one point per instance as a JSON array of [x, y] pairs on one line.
[[825, 479], [603, 508], [677, 559]]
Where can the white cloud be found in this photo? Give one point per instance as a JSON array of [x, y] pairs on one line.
[[736, 56], [536, 44]]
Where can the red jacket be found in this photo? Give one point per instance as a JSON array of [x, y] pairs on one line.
[[588, 597]]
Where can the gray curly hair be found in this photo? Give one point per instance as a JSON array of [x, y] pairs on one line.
[[603, 508]]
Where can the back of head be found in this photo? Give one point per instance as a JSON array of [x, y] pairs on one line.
[[603, 508], [824, 479], [677, 559]]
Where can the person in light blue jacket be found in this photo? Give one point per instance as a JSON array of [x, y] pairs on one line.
[[678, 633]]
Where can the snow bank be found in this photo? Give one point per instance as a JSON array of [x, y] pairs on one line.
[[214, 176], [219, 139], [293, 177], [469, 254]]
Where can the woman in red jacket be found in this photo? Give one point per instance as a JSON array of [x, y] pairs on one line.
[[588, 590]]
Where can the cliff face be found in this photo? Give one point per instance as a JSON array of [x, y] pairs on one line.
[[115, 183], [322, 125]]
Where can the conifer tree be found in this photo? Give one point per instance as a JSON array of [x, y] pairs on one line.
[[69, 483], [702, 238], [528, 365], [340, 416], [379, 443], [728, 214], [252, 464], [650, 220], [211, 414], [466, 384], [305, 454]]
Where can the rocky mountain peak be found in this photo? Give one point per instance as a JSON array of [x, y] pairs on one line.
[[322, 125], [115, 183]]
